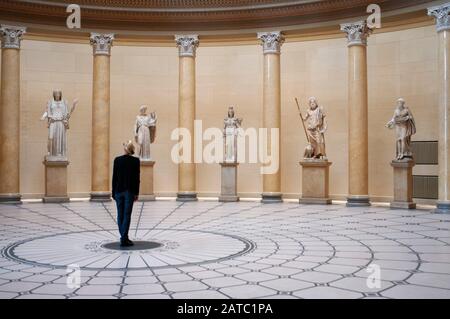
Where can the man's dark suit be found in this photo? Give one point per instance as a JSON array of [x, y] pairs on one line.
[[125, 189]]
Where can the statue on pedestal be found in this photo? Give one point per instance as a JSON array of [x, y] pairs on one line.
[[145, 132], [405, 127], [57, 115], [230, 134], [315, 126]]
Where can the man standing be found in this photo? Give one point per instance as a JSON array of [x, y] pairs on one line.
[[125, 189]]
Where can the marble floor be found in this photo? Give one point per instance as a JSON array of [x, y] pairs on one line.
[[215, 250]]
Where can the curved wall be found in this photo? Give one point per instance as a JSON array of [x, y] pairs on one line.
[[401, 63]]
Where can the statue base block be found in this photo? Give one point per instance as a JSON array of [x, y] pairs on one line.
[[55, 181], [228, 191], [403, 185], [146, 187], [315, 182]]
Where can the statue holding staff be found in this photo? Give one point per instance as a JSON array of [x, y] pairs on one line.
[[315, 126]]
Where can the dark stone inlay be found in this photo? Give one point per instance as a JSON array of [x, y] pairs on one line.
[[138, 245]]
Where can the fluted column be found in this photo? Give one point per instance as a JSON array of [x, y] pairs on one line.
[[100, 179], [441, 13], [10, 115], [271, 43], [358, 158], [187, 45]]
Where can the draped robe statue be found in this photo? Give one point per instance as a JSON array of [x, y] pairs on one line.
[[145, 132], [57, 115], [405, 128], [316, 127], [230, 134]]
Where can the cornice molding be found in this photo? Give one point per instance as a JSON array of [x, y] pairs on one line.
[[195, 15]]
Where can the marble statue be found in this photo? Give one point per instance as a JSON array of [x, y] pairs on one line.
[[315, 126], [230, 134], [145, 132], [405, 127], [57, 115]]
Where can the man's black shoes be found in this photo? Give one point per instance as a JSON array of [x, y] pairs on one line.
[[126, 243]]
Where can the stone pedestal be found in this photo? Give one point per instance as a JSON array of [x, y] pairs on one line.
[[146, 187], [55, 181], [229, 183], [315, 182], [403, 185]]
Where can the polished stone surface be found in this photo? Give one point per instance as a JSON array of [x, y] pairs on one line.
[[224, 250]]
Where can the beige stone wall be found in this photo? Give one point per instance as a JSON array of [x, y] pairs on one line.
[[401, 63]]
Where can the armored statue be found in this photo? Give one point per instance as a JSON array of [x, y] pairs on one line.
[[230, 134], [57, 115], [145, 132]]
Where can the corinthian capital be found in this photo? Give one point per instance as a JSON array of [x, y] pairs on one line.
[[441, 14], [187, 44], [11, 36], [102, 43], [357, 32], [271, 41]]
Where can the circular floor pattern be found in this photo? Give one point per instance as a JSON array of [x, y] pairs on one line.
[[137, 245], [86, 249]]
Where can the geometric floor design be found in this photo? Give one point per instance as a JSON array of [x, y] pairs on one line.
[[224, 250]]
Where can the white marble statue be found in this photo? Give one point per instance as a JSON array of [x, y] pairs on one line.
[[230, 135], [405, 127], [145, 132], [57, 115]]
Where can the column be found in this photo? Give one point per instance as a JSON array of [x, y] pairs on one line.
[[358, 158], [441, 13], [10, 114], [271, 43], [100, 172], [187, 45]]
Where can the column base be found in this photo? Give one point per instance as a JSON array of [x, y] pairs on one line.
[[100, 197], [403, 205], [228, 199], [358, 201], [52, 199], [147, 198], [12, 199], [315, 201], [271, 198], [442, 208], [187, 197]]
